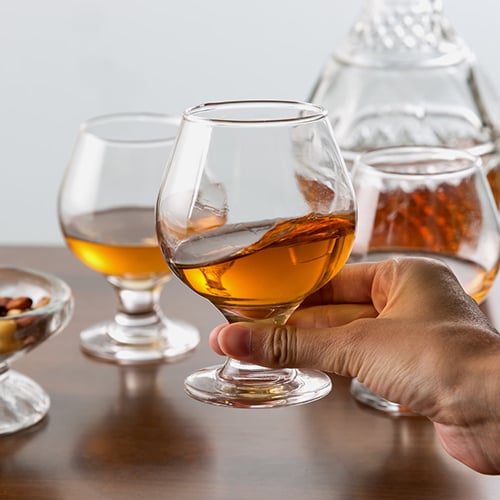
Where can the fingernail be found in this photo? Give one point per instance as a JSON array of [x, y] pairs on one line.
[[213, 339], [235, 340]]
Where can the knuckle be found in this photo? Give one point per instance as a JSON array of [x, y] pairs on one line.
[[284, 345]]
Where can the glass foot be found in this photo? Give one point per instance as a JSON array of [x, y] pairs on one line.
[[23, 402], [301, 387], [369, 398], [174, 341]]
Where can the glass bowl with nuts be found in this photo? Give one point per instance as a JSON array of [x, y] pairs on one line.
[[34, 306]]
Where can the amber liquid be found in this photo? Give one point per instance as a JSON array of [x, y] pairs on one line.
[[493, 177], [256, 271], [491, 163], [440, 219], [120, 242], [434, 223]]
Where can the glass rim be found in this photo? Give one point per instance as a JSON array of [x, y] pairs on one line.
[[63, 292], [86, 127], [315, 112], [406, 155]]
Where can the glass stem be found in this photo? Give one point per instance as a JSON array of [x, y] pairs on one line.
[[139, 318], [247, 375], [250, 375]]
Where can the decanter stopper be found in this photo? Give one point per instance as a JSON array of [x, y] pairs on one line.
[[403, 76]]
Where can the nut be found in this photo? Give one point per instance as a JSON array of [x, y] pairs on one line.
[[7, 327], [21, 303], [42, 302], [4, 300], [8, 341], [14, 312], [11, 335], [25, 321]]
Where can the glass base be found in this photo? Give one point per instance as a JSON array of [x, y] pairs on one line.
[[301, 387], [176, 340], [369, 398], [23, 402]]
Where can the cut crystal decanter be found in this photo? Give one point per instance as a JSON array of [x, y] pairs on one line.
[[403, 76]]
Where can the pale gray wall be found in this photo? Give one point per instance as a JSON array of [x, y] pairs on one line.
[[63, 61]]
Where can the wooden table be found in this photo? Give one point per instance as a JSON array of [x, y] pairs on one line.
[[125, 433]]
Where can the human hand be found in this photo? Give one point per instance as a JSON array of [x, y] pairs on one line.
[[407, 330]]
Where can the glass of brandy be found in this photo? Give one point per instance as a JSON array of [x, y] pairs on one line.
[[106, 212], [426, 202], [255, 212]]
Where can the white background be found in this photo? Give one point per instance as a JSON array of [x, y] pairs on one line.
[[63, 61]]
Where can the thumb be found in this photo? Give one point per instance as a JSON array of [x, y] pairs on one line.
[[280, 346]]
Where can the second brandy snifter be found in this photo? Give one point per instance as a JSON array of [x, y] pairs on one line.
[[106, 212], [426, 202], [256, 211]]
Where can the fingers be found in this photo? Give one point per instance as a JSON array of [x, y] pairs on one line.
[[391, 303], [287, 346], [325, 316], [245, 341], [353, 284], [361, 283], [213, 340], [407, 287]]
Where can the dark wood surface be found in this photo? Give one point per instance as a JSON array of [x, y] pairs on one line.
[[125, 433]]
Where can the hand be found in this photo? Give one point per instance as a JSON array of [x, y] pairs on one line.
[[407, 330]]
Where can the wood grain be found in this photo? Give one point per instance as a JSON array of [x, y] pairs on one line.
[[129, 433]]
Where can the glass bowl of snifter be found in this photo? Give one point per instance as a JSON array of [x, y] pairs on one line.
[[34, 306]]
